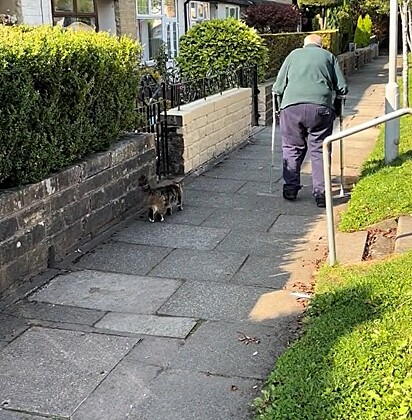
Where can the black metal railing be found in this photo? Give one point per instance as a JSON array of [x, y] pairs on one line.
[[155, 98], [186, 91], [151, 117]]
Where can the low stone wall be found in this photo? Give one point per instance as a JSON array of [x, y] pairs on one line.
[[204, 129], [43, 222], [349, 62], [265, 103]]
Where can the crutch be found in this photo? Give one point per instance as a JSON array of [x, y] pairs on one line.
[[275, 112], [342, 101]]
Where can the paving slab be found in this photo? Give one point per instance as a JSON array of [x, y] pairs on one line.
[[262, 271], [158, 351], [199, 265], [197, 396], [243, 164], [304, 205], [55, 313], [350, 246], [220, 200], [216, 348], [108, 291], [124, 258], [203, 183], [119, 393], [242, 219], [403, 241], [14, 415], [256, 152], [172, 235], [258, 243], [258, 188], [230, 302], [241, 173], [11, 326], [176, 327], [191, 215], [50, 371], [311, 227]]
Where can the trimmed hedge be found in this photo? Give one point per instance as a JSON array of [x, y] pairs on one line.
[[219, 45], [63, 95], [281, 45]]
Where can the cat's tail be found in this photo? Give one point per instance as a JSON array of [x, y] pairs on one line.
[[144, 184]]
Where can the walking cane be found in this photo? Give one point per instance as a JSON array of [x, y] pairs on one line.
[[275, 112], [342, 100]]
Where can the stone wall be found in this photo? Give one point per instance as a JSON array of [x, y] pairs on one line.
[[203, 130], [265, 102], [43, 222]]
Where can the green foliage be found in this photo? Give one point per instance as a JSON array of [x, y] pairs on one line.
[[63, 95], [354, 360], [341, 18], [281, 45], [383, 191], [218, 45], [320, 3], [363, 31]]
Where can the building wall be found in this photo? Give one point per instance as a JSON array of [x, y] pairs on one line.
[[106, 15], [36, 12]]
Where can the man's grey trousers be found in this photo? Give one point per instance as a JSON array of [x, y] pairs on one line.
[[303, 126]]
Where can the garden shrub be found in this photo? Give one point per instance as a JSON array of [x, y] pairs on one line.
[[63, 95], [219, 45], [272, 17], [341, 18], [363, 31], [281, 45]]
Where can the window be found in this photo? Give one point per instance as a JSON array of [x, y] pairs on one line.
[[232, 11], [199, 11], [157, 25], [81, 14]]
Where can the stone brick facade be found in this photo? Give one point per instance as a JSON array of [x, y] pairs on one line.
[[203, 130], [43, 222], [125, 15]]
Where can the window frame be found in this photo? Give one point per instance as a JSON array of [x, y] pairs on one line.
[[237, 11], [75, 14], [165, 20]]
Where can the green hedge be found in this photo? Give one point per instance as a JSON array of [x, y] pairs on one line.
[[63, 95], [219, 45], [280, 45]]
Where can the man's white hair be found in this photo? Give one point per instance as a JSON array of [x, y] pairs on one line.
[[313, 39]]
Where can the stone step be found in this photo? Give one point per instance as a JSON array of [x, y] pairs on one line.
[[403, 241]]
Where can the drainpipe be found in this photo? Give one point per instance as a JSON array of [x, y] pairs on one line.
[[185, 14]]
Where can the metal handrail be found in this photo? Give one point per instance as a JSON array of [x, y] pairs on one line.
[[327, 169]]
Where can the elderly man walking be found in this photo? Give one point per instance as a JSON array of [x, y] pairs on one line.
[[306, 84]]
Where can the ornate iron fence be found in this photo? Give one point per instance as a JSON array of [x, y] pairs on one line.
[[154, 99]]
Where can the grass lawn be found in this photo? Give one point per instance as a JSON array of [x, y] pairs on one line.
[[354, 360], [383, 191]]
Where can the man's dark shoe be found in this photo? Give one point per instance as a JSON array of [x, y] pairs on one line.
[[290, 195], [290, 192], [320, 201]]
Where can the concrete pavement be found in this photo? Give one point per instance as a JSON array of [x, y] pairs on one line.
[[183, 319]]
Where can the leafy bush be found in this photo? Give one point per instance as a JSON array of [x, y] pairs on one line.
[[280, 45], [63, 95], [363, 31], [341, 18], [272, 17], [219, 45]]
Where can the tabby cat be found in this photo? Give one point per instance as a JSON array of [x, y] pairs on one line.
[[162, 198]]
